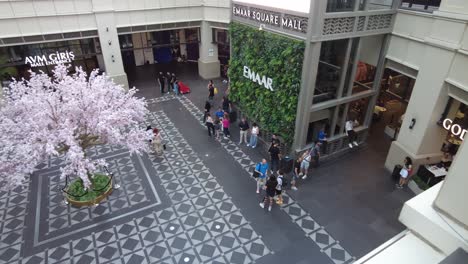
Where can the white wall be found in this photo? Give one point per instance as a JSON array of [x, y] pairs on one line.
[[23, 18], [370, 49]]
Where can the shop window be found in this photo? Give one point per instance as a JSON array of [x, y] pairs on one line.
[[421, 5], [329, 72], [397, 85], [362, 5], [366, 63], [191, 35], [340, 5], [379, 4], [358, 109], [126, 41]]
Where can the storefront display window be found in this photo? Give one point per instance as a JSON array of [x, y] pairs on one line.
[[340, 5], [332, 56], [13, 61]]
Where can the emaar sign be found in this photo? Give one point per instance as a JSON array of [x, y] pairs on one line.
[[255, 77], [51, 59]]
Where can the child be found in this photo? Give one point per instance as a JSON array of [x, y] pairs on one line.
[[217, 125]]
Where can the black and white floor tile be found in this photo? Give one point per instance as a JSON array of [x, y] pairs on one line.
[[298, 215], [169, 209]]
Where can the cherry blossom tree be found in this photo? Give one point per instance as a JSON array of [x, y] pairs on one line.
[[64, 115]]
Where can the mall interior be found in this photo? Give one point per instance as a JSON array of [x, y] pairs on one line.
[[396, 67]]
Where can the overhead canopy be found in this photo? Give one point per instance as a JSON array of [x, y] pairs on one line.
[[302, 6]]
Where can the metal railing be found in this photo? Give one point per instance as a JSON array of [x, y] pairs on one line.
[[421, 5]]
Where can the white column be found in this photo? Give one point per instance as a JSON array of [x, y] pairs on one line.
[[453, 196], [208, 63], [107, 31]]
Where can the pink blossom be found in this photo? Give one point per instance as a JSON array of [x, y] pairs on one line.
[[47, 117]]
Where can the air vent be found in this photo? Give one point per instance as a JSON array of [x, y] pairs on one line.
[[53, 36]]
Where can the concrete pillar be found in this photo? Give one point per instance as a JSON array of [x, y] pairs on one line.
[[452, 196], [107, 31], [424, 141], [208, 63]]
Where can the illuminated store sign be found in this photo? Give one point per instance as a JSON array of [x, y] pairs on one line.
[[51, 59], [455, 129], [255, 77], [285, 21]]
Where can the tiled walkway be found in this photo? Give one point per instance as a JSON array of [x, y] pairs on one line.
[[197, 203]]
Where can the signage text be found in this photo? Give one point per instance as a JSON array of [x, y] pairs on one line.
[[51, 59], [255, 77], [455, 129], [276, 19]]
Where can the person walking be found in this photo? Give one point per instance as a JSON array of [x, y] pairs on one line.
[[244, 129], [279, 187], [168, 82], [270, 187], [226, 125], [210, 124], [305, 163], [275, 157], [173, 80], [207, 110], [211, 90], [261, 168], [405, 172], [253, 135], [226, 105], [157, 142], [296, 172], [161, 81]]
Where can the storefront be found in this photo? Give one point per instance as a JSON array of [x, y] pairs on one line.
[[454, 124], [164, 46], [342, 62], [16, 61]]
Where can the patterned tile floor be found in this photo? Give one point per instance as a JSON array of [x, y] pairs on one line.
[[169, 209], [328, 245]]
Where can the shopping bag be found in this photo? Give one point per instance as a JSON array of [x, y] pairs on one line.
[[215, 90]]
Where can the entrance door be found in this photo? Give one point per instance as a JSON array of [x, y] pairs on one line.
[[128, 59]]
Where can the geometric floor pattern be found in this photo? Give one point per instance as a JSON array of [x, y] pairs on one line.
[[169, 209], [211, 224], [328, 245]]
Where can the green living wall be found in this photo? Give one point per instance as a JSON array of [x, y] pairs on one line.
[[274, 56]]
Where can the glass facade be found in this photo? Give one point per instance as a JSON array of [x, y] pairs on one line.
[[379, 4], [13, 59], [340, 5], [329, 73]]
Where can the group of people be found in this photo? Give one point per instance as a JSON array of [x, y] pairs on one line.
[[170, 81], [275, 182]]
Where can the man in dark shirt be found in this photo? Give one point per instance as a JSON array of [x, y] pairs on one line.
[[275, 157], [226, 104], [244, 129]]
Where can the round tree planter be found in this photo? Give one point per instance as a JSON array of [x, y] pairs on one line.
[[94, 201]]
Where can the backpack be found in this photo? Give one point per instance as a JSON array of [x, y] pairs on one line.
[[284, 182]]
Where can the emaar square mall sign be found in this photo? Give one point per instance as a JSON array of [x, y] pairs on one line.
[[280, 19], [51, 59]]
